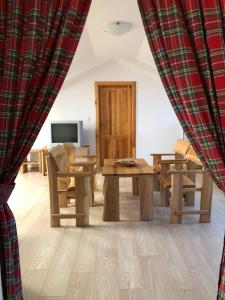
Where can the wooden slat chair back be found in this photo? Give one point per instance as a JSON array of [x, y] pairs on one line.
[[55, 161], [192, 156], [64, 182], [82, 151], [181, 148], [178, 187], [69, 150]]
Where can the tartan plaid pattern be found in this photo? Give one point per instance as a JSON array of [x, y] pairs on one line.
[[187, 41], [38, 40], [221, 284]]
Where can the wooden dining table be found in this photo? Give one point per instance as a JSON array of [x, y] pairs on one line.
[[142, 176], [88, 163]]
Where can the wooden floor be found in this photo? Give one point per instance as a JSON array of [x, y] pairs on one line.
[[108, 261]]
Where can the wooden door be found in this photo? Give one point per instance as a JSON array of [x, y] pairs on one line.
[[116, 120]]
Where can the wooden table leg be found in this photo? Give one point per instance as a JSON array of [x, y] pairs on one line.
[[111, 199], [206, 197], [92, 185], [135, 184], [146, 197], [82, 203], [156, 185]]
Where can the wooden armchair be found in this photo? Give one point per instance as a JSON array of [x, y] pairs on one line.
[[177, 189], [181, 182], [78, 159], [59, 180], [180, 149]]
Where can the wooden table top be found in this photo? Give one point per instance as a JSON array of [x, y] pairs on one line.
[[110, 168]]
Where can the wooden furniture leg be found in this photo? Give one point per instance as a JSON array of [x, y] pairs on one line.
[[156, 185], [206, 197], [135, 186], [146, 197], [54, 199], [164, 192], [91, 170], [111, 199], [39, 161], [176, 199], [92, 185], [190, 196], [63, 200], [43, 162], [82, 201]]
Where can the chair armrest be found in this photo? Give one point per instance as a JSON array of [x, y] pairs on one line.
[[89, 156], [172, 161], [82, 163], [185, 171], [73, 174]]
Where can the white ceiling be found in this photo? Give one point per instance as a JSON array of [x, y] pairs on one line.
[[97, 47]]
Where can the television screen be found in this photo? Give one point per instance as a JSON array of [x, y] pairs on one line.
[[64, 132]]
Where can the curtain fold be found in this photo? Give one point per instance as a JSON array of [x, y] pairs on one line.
[[38, 40], [188, 46]]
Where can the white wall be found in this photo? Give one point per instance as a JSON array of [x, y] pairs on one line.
[[157, 126]]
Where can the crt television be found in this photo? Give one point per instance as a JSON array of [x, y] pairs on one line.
[[66, 131]]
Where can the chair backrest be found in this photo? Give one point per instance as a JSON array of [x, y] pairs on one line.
[[82, 151], [69, 150], [192, 156], [58, 155], [181, 148]]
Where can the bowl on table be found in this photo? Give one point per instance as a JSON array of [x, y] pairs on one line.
[[126, 162]]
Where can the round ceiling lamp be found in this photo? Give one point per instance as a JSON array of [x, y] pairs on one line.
[[117, 28]]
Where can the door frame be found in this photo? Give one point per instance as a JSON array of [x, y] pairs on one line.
[[132, 85]]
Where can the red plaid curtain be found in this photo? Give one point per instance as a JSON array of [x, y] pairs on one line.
[[38, 40], [187, 41]]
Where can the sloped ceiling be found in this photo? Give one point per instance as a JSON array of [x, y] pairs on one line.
[[97, 47]]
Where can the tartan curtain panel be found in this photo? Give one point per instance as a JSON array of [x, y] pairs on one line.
[[187, 41], [38, 40]]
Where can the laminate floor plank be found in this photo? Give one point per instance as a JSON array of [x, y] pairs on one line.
[[81, 286], [60, 268], [106, 282], [87, 251]]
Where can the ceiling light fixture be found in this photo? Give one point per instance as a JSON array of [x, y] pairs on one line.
[[117, 28]]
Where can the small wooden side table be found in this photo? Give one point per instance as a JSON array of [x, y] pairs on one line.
[[32, 162]]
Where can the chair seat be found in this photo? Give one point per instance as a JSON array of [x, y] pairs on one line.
[[165, 181]]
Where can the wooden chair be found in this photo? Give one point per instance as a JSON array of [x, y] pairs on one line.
[[178, 188], [179, 181], [162, 165], [180, 149], [87, 164], [59, 178]]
